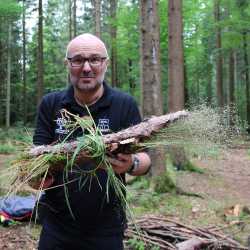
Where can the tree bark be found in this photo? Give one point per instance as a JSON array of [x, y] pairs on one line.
[[70, 18], [219, 59], [8, 78], [40, 66], [175, 57], [231, 94], [97, 16], [24, 102], [130, 79], [151, 98], [247, 82], [128, 137], [74, 18], [113, 34]]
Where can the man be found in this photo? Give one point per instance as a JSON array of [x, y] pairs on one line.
[[86, 220]]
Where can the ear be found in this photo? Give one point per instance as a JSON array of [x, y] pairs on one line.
[[107, 62], [66, 62]]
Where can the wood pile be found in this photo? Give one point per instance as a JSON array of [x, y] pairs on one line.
[[164, 233]]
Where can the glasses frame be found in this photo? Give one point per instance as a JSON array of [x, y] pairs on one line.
[[84, 59]]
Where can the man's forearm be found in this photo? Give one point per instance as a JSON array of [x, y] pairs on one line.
[[144, 164]]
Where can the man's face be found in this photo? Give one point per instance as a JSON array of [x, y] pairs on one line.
[[87, 63]]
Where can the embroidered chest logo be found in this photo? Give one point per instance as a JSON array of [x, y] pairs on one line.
[[61, 123], [103, 125]]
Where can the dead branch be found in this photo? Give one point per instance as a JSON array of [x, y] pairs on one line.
[[131, 135], [169, 234]]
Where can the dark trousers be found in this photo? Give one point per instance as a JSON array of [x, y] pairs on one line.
[[53, 241]]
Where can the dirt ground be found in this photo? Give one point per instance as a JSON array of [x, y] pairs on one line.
[[226, 182], [226, 179]]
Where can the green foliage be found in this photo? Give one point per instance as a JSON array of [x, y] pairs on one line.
[[9, 8], [136, 244], [7, 148], [189, 166], [16, 135], [164, 184]]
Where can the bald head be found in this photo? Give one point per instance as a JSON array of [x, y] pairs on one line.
[[86, 43]]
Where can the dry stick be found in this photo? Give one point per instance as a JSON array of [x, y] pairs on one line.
[[185, 226], [177, 232], [227, 238], [151, 240], [140, 131]]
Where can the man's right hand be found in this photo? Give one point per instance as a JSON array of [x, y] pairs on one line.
[[41, 183]]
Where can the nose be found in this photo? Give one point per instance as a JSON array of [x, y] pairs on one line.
[[86, 66]]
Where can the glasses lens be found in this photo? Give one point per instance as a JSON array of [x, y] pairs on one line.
[[95, 60], [76, 62]]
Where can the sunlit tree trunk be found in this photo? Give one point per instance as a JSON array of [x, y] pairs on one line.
[[176, 71], [97, 16], [113, 33], [74, 18], [24, 102], [70, 18], [40, 66], [231, 94], [175, 57], [130, 78], [8, 79], [219, 59], [246, 62], [150, 71]]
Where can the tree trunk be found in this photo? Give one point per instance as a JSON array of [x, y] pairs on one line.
[[150, 59], [70, 19], [175, 57], [246, 62], [113, 34], [130, 79], [176, 86], [24, 102], [219, 59], [231, 97], [8, 78], [97, 16], [40, 70], [151, 98], [74, 18], [209, 87]]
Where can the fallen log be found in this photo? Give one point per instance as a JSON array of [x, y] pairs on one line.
[[192, 244], [131, 135]]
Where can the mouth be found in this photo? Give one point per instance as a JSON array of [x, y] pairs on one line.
[[87, 76]]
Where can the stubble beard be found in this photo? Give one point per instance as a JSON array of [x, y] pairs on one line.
[[86, 86]]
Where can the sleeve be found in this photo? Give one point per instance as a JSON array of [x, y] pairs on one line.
[[132, 116], [44, 130]]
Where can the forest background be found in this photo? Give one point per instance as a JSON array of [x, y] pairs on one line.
[[145, 41]]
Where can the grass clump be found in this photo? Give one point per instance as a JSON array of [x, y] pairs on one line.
[[7, 148], [203, 130], [164, 184]]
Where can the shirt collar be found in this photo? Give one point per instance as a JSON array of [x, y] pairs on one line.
[[105, 100]]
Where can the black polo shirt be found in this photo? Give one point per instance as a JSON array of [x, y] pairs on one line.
[[93, 213]]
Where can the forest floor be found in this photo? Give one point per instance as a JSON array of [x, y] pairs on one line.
[[224, 185]]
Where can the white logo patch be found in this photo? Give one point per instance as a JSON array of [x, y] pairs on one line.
[[61, 122], [103, 125]]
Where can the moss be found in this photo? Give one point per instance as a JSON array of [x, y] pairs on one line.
[[189, 166], [164, 184]]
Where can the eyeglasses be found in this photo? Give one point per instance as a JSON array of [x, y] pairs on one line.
[[94, 61]]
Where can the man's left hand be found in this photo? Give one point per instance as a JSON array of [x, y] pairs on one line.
[[122, 163]]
